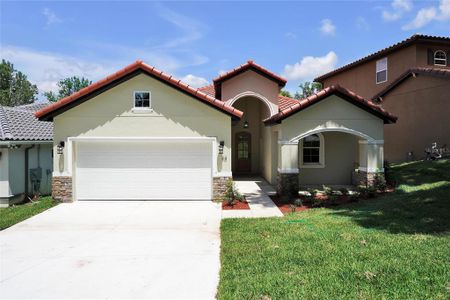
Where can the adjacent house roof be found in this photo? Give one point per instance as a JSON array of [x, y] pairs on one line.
[[249, 65], [435, 72], [20, 124], [126, 73], [343, 93], [383, 52]]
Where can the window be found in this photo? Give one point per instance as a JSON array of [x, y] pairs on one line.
[[312, 151], [142, 100], [440, 59], [243, 150], [381, 72]]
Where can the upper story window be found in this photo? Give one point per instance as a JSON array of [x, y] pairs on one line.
[[142, 100], [440, 59], [381, 72]]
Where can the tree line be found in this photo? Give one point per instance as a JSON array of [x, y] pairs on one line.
[[16, 89]]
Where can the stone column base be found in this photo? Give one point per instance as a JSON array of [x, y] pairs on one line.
[[62, 188], [287, 184], [220, 187], [364, 178]]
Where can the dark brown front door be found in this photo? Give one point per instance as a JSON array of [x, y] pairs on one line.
[[243, 150]]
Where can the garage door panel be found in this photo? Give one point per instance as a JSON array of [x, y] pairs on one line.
[[145, 170]]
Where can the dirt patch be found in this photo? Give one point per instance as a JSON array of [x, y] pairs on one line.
[[236, 205]]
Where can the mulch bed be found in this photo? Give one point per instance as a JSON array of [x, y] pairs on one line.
[[236, 205], [286, 206]]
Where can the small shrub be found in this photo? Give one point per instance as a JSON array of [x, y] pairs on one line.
[[363, 191], [327, 190], [371, 191], [298, 202], [354, 197], [316, 202], [292, 207], [232, 194], [344, 191], [380, 183]]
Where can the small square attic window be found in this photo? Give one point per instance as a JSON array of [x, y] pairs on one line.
[[142, 99]]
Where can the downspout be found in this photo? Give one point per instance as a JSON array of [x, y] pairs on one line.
[[26, 168]]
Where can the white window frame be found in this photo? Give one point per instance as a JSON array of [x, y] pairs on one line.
[[321, 163], [142, 109], [378, 71], [444, 60]]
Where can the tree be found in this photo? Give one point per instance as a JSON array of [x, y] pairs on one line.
[[15, 89], [67, 87], [285, 93], [307, 89]]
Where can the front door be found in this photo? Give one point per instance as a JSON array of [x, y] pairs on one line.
[[243, 150]]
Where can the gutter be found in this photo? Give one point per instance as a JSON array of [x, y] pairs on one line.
[[12, 143]]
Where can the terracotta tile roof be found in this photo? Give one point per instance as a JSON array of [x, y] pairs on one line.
[[285, 102], [53, 109], [343, 93], [208, 89], [435, 72], [405, 43], [19, 124]]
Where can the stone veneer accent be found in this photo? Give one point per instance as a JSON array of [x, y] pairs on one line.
[[364, 178], [287, 184], [62, 188], [220, 187]]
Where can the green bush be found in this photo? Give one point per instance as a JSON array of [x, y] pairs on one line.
[[344, 191], [298, 202], [232, 194], [380, 183]]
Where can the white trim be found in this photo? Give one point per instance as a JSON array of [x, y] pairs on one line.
[[371, 170], [339, 129], [287, 142], [377, 71], [61, 174], [374, 142], [321, 163], [142, 108], [269, 104], [140, 138], [289, 171]]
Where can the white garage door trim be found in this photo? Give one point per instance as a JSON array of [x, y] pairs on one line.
[[73, 166]]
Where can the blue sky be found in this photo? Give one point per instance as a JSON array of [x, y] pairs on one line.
[[196, 41]]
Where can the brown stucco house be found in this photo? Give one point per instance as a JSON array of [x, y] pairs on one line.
[[142, 134], [410, 79]]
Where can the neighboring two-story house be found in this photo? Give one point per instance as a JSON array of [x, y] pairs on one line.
[[411, 79]]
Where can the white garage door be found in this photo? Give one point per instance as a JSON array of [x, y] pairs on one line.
[[143, 170]]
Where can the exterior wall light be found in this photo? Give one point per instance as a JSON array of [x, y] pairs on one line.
[[221, 145], [245, 124], [60, 147]]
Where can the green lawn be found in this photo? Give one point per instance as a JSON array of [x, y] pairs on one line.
[[396, 246], [15, 214]]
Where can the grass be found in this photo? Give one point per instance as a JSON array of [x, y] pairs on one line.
[[396, 246], [17, 213]]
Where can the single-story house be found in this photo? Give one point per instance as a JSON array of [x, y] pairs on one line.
[[142, 134], [26, 150]]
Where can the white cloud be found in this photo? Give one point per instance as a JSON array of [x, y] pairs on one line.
[[194, 81], [429, 14], [399, 7], [362, 24], [46, 69], [327, 27], [290, 35], [51, 17], [310, 67]]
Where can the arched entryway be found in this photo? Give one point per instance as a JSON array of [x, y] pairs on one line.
[[249, 136]]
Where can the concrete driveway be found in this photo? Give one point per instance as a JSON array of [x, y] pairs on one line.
[[114, 249]]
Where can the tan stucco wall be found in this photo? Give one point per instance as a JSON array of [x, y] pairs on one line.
[[361, 79], [175, 115], [422, 54], [250, 81], [422, 105], [341, 158]]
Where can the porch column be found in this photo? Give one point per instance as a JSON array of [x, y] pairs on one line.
[[287, 177], [371, 157]]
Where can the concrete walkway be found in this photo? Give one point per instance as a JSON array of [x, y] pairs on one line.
[[257, 191]]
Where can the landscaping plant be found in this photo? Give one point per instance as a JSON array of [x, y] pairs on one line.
[[232, 194]]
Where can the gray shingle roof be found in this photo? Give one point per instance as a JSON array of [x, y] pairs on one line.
[[19, 124]]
